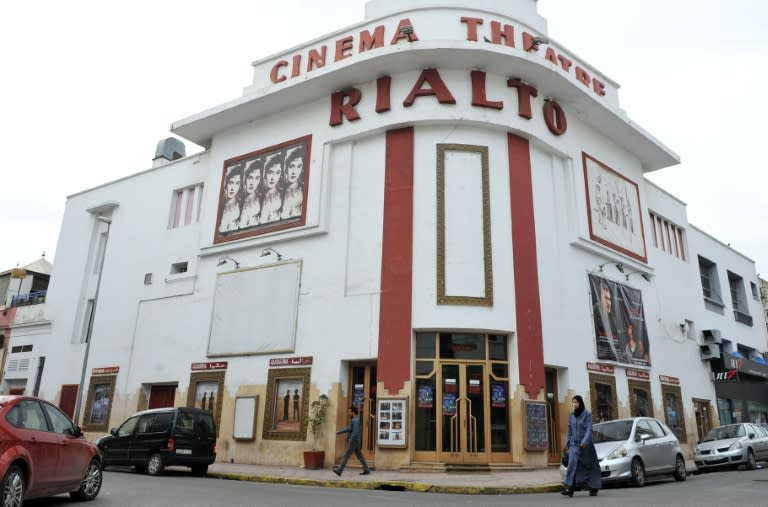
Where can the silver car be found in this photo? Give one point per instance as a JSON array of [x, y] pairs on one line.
[[630, 450], [732, 445]]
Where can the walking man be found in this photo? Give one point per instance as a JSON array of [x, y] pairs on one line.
[[353, 443]]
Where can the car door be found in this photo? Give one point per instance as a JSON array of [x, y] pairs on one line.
[[150, 435], [760, 442], [647, 446], [41, 444], [666, 445], [74, 453], [116, 448]]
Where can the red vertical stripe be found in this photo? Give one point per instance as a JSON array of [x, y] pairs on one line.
[[396, 262], [527, 304]]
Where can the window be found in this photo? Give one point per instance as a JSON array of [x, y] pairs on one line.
[[87, 319], [185, 206], [59, 421], [753, 286], [710, 284], [667, 237], [179, 267], [739, 299], [100, 252], [21, 348]]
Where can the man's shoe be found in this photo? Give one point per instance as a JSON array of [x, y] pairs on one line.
[[365, 472], [592, 492], [337, 471]]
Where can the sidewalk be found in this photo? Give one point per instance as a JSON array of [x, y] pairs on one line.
[[539, 480]]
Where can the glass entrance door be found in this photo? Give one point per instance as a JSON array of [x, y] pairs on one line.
[[362, 390], [463, 413]]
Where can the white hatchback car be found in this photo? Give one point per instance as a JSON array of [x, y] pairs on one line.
[[630, 450], [732, 445]]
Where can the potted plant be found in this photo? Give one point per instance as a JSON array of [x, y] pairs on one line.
[[315, 458]]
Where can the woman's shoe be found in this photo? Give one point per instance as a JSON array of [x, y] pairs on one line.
[[567, 491], [592, 492]]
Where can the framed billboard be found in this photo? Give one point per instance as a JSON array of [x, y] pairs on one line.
[[391, 422], [264, 191], [613, 209]]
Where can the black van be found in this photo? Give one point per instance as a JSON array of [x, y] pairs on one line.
[[153, 439]]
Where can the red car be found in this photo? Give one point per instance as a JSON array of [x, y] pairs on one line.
[[42, 453]]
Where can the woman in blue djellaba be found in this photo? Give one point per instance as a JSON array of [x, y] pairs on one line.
[[583, 467]]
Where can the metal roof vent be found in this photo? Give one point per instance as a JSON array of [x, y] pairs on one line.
[[167, 150]]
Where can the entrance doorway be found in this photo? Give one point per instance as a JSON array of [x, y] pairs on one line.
[[463, 413], [461, 399], [703, 417], [162, 396], [68, 399], [362, 389], [553, 429]]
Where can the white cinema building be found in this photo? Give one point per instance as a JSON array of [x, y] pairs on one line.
[[421, 214]]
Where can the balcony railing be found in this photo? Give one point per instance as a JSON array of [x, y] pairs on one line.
[[33, 298]]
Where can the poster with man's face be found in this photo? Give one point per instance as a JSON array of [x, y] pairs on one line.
[[619, 320], [264, 191], [100, 405]]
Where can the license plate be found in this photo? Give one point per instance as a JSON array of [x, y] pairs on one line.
[[183, 451]]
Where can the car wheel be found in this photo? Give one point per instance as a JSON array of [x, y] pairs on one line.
[[680, 472], [13, 487], [638, 473], [91, 485], [199, 470], [155, 464], [751, 462]]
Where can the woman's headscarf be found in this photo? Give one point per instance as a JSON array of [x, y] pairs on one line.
[[579, 410]]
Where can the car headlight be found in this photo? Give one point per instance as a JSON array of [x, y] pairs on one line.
[[617, 453], [735, 446], [696, 451]]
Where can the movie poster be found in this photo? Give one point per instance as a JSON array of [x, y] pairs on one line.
[[620, 330]]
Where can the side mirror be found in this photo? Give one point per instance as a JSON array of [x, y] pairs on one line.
[[751, 436], [113, 431], [78, 432]]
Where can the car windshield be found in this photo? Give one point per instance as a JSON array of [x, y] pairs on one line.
[[614, 431], [723, 432]]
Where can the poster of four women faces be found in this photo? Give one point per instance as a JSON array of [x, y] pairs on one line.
[[263, 190]]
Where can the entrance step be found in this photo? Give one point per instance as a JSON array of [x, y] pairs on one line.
[[465, 468]]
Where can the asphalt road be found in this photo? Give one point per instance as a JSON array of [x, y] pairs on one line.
[[123, 488]]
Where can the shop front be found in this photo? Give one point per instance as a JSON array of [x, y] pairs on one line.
[[741, 386]]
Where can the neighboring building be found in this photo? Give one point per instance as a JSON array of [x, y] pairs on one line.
[[763, 293], [436, 214], [22, 320]]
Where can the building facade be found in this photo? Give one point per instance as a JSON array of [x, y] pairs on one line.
[[23, 319], [439, 215]]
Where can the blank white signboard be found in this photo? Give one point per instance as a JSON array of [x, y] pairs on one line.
[[254, 310]]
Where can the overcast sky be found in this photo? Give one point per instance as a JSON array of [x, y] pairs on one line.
[[89, 87]]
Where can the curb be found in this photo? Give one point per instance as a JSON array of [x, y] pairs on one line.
[[416, 487]]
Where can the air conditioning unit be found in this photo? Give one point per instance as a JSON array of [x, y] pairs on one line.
[[709, 351], [711, 336]]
